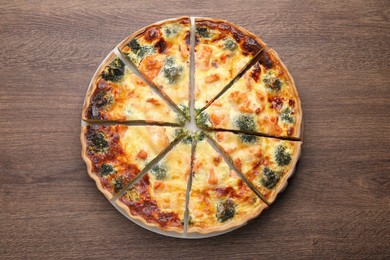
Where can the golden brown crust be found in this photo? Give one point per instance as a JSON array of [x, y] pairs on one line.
[[154, 225], [92, 86], [89, 164], [298, 123], [235, 223]]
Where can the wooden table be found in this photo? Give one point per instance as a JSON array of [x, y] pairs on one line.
[[337, 204]]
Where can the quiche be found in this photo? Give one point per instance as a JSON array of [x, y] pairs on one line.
[[118, 94], [116, 154], [222, 50], [219, 199], [266, 162], [264, 100], [191, 127], [161, 53]]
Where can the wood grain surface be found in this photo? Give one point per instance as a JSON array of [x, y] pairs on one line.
[[336, 206]]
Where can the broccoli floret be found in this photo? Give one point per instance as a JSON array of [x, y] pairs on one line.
[[98, 141], [134, 46], [186, 111], [282, 157], [230, 45], [114, 71], [106, 169], [225, 210], [270, 178], [180, 133], [202, 120], [245, 123], [272, 82], [172, 72], [187, 139], [159, 171], [200, 136], [248, 138], [203, 32], [170, 31], [189, 221], [144, 51], [118, 184], [286, 115], [141, 51]]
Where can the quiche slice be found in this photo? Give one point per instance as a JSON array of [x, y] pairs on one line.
[[264, 100], [161, 52], [117, 94], [222, 51], [266, 162], [116, 154], [159, 198], [219, 199]]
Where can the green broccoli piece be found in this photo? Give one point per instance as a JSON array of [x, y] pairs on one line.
[[282, 157], [272, 82], [106, 169], [230, 45], [98, 142], [203, 120], [172, 72], [114, 71], [225, 210], [134, 45], [203, 32], [248, 138], [270, 178], [159, 171], [245, 123], [286, 115]]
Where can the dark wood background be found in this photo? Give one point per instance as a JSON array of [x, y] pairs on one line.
[[337, 204]]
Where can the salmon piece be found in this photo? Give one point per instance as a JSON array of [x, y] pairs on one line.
[[204, 56], [220, 137], [217, 104], [159, 185], [238, 97], [142, 154], [184, 52], [150, 66], [238, 163], [140, 82], [213, 180], [216, 119], [223, 58], [217, 160], [153, 101], [245, 108], [212, 78]]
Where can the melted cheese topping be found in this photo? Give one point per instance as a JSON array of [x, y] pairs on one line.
[[252, 158], [150, 139], [274, 112], [130, 100], [214, 183], [163, 58]]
